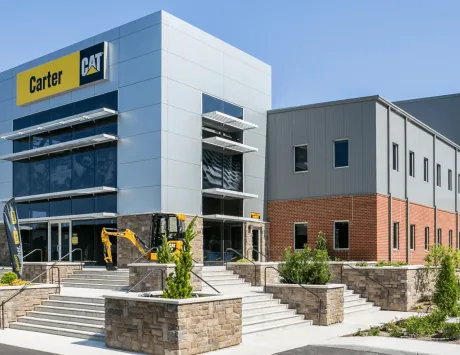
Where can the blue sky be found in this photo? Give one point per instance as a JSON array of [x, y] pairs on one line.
[[319, 50]]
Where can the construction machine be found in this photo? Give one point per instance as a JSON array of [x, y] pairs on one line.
[[171, 226]]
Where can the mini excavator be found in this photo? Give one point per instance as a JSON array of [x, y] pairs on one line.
[[171, 226]]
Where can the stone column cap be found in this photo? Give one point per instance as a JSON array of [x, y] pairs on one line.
[[203, 299], [327, 286]]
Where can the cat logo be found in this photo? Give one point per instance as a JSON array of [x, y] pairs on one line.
[[92, 65]]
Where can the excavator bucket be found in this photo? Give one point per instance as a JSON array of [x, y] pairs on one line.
[[111, 267]]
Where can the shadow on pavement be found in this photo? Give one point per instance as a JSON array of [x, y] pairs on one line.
[[8, 350], [326, 350]]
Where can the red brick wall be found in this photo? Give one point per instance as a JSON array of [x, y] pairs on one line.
[[446, 221], [382, 228], [421, 216], [399, 215], [320, 213]]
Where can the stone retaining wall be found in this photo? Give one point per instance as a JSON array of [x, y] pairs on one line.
[[307, 304], [27, 300], [256, 274], [33, 269], [172, 327], [336, 268], [152, 276]]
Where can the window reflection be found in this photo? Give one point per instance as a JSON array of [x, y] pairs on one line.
[[39, 177], [83, 170], [106, 167], [60, 173], [210, 103]]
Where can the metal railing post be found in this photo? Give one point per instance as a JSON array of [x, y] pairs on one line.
[[252, 262], [33, 251]]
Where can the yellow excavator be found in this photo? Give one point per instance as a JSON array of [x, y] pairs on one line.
[[171, 226]]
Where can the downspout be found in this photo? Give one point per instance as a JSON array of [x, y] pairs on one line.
[[406, 194], [434, 190], [390, 200]]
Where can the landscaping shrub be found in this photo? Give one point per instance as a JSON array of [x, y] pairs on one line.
[[446, 290], [374, 332], [451, 331], [178, 285], [8, 278], [439, 252], [418, 326], [390, 263], [164, 253], [242, 260], [363, 264], [307, 266]]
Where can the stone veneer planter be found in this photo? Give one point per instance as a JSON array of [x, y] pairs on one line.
[[172, 327], [255, 274], [33, 269], [27, 300], [139, 272], [307, 304], [336, 268]]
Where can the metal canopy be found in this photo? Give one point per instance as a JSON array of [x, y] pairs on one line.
[[60, 123], [226, 218], [68, 193], [54, 148], [228, 193], [226, 122], [71, 217], [228, 144]]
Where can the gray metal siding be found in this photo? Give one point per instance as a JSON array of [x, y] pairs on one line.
[[381, 144], [397, 136], [445, 156], [319, 127]]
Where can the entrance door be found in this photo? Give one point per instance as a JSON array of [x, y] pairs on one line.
[[255, 244], [59, 241]]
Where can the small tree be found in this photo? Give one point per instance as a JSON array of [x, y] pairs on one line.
[[164, 254], [178, 285], [446, 291], [437, 254], [320, 273]]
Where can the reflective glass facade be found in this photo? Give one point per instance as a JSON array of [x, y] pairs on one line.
[[211, 103]]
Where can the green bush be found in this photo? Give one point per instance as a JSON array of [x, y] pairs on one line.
[[307, 266], [8, 278], [363, 264], [178, 285], [374, 332], [391, 263], [393, 330], [451, 331], [446, 290], [244, 260], [439, 252], [164, 253], [419, 326]]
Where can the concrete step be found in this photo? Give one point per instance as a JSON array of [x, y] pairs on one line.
[[225, 281], [98, 300], [354, 302], [74, 305], [351, 297], [257, 297], [268, 316], [366, 307], [91, 328], [218, 273], [99, 277], [95, 281], [268, 309], [348, 292], [117, 273], [260, 304], [58, 331], [94, 286], [214, 268], [211, 278], [280, 323], [71, 311], [66, 318]]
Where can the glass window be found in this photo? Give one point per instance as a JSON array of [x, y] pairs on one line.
[[84, 231], [40, 118], [21, 186], [60, 207], [61, 173], [438, 175], [39, 209], [210, 103], [233, 110], [411, 164], [341, 235], [395, 157], [449, 179], [427, 238], [300, 158], [21, 123], [106, 203], [108, 100], [233, 207], [83, 130], [21, 145], [23, 210], [300, 235], [106, 166], [232, 172], [425, 169], [341, 153], [83, 205], [107, 125], [439, 237], [222, 171], [412, 237], [83, 170], [450, 238], [396, 235], [60, 136], [83, 106], [40, 141], [39, 177]]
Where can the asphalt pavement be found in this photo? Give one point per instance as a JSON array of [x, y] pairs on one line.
[[14, 350], [326, 350]]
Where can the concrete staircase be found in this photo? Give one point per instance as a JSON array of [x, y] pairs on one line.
[[355, 304], [78, 317], [261, 311], [98, 279]]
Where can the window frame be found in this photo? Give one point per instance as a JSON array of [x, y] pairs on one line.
[[395, 224], [348, 153], [426, 168], [293, 234], [449, 179], [438, 175], [333, 234], [450, 238], [427, 238], [395, 157], [411, 163], [294, 147], [412, 237], [439, 236]]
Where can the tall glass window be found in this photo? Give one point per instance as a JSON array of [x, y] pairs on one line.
[[341, 153], [222, 171], [300, 158], [83, 169], [211, 103]]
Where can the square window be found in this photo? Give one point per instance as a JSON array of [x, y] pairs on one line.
[[341, 153], [300, 158], [341, 235], [396, 235], [300, 235]]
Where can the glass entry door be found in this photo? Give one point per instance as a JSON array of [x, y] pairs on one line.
[[59, 240]]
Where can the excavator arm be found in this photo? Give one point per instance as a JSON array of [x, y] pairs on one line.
[[127, 234]]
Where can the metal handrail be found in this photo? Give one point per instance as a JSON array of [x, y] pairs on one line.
[[162, 280], [368, 277], [33, 251], [206, 282], [71, 252], [238, 253], [143, 256], [53, 266], [258, 252], [294, 282]]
